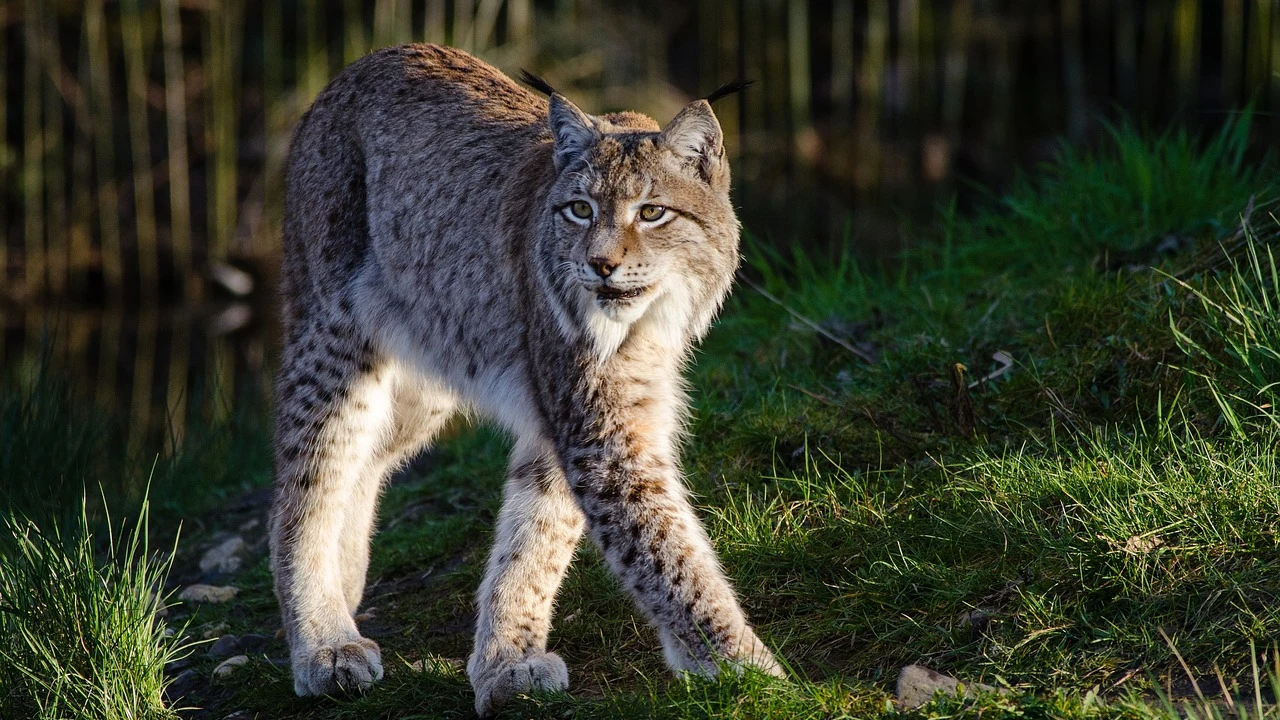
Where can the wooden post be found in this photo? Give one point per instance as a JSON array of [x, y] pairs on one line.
[[222, 65], [1126, 41], [464, 16], [956, 72], [1073, 70], [486, 24], [434, 22], [799, 80], [275, 117], [1157, 28], [33, 207], [842, 63], [4, 143], [1186, 52], [175, 101], [104, 151], [81, 183], [135, 59], [356, 40], [55, 180], [519, 20]]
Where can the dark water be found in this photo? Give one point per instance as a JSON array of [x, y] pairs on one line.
[[125, 184], [160, 369]]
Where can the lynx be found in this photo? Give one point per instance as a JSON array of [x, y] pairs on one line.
[[456, 243]]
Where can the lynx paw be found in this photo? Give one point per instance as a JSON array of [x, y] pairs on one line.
[[755, 653], [544, 672], [338, 668], [764, 663], [749, 653]]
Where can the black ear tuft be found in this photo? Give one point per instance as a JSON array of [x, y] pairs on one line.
[[537, 83], [729, 88]]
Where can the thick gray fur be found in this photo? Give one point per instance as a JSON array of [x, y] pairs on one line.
[[433, 264]]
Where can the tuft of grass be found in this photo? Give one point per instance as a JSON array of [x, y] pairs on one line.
[[47, 446], [1110, 206], [80, 635], [1236, 340]]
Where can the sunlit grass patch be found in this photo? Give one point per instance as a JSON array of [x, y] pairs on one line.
[[80, 635], [1234, 345], [1140, 196]]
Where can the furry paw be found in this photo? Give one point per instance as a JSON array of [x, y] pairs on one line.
[[763, 662], [545, 672], [349, 667], [749, 652], [754, 653]]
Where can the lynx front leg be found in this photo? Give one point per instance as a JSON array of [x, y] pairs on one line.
[[538, 530], [640, 517], [333, 410]]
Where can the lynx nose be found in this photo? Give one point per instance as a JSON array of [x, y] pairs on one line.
[[603, 266]]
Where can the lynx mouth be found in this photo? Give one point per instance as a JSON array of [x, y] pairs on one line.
[[610, 294]]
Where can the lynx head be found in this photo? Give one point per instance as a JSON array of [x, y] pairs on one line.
[[639, 231]]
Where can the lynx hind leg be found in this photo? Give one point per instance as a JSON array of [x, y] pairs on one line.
[[333, 416], [538, 531], [420, 408]]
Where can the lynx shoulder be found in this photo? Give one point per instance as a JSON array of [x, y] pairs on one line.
[[454, 241]]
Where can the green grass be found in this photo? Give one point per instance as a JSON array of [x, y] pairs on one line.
[[58, 451], [1056, 474], [79, 633], [1237, 340]]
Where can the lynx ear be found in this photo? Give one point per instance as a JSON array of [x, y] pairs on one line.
[[694, 136], [573, 129]]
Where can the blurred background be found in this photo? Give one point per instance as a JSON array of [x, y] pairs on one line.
[[143, 140]]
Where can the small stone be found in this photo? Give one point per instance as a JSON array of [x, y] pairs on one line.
[[280, 634], [208, 593], [434, 663], [1141, 545], [975, 621], [917, 685], [225, 557], [182, 685], [231, 278], [226, 646], [227, 667], [253, 642]]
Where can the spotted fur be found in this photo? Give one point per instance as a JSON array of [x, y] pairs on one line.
[[433, 264]]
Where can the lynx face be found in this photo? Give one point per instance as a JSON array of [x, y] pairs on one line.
[[639, 219]]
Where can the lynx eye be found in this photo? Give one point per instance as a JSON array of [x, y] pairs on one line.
[[581, 209], [649, 213]]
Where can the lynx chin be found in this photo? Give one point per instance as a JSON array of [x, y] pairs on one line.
[[456, 243]]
